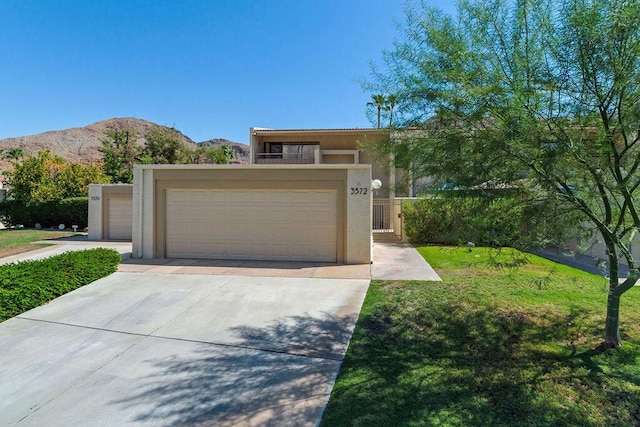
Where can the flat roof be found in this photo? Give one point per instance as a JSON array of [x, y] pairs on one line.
[[254, 166], [331, 130]]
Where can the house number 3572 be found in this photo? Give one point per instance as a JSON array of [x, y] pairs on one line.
[[359, 190]]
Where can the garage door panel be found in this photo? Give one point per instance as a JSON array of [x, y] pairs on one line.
[[119, 223], [252, 224]]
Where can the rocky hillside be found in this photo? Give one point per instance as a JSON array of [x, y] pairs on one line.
[[81, 144]]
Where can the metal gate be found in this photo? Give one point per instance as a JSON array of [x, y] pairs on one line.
[[387, 216]]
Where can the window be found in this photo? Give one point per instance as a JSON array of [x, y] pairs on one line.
[[294, 150]]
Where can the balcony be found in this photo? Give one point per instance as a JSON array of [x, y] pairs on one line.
[[283, 159], [289, 154]]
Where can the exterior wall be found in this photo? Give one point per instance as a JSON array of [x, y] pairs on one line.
[[596, 248], [332, 142], [99, 195], [354, 207]]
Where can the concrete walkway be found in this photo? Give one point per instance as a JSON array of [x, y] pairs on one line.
[[179, 349], [400, 261], [189, 342], [78, 242]]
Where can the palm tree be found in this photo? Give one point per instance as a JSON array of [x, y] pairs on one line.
[[379, 102], [392, 100]]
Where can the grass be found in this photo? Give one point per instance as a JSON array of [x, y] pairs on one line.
[[13, 242], [490, 345]]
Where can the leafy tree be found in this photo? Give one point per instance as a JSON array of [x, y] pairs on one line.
[[164, 146], [228, 152], [539, 94], [47, 177], [14, 154], [120, 152], [207, 155]]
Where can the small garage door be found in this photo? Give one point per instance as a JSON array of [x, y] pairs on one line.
[[120, 218], [296, 225]]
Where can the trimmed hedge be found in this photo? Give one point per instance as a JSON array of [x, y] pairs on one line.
[[29, 284], [72, 211], [484, 221]]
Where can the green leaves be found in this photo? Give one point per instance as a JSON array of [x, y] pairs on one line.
[[47, 177], [26, 285]]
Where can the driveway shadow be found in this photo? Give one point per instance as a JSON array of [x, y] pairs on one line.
[[193, 383]]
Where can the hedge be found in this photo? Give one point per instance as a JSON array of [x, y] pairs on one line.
[[482, 220], [73, 211], [29, 284]]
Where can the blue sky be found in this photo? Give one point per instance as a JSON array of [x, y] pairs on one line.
[[210, 68]]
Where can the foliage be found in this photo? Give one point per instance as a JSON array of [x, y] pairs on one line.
[[484, 218], [163, 146], [488, 347], [28, 284], [120, 152], [13, 154], [47, 177], [49, 213], [539, 94], [208, 155], [481, 220], [383, 104]]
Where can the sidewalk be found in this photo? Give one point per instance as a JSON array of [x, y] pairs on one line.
[[78, 242], [400, 261]]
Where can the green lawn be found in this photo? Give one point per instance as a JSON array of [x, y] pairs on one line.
[[17, 241], [490, 345]]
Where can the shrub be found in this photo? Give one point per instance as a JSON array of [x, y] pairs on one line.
[[29, 284], [483, 220], [72, 211]]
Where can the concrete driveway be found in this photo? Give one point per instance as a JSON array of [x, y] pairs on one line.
[[151, 348]]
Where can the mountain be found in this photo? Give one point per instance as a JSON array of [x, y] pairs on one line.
[[81, 144]]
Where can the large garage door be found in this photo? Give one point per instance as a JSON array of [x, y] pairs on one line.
[[120, 218], [297, 225]]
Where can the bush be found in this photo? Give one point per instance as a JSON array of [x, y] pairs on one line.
[[482, 220], [72, 211], [29, 284]]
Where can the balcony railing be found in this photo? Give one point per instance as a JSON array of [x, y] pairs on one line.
[[284, 158]]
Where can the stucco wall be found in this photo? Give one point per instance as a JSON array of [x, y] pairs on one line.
[[352, 184]]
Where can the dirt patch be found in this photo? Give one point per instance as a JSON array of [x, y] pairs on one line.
[[15, 250]]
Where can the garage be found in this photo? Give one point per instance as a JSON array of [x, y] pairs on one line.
[[313, 213], [119, 218], [283, 225], [110, 211]]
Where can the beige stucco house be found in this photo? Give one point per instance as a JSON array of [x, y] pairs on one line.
[[305, 196]]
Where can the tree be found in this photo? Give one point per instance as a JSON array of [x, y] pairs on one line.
[[228, 152], [47, 177], [120, 152], [163, 146], [392, 100], [14, 154], [379, 102], [538, 94], [207, 155]]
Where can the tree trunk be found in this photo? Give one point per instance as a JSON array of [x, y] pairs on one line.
[[612, 326], [612, 333]]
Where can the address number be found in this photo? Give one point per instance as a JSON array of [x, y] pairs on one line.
[[359, 190]]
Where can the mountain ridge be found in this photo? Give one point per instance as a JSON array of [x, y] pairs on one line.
[[81, 144]]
